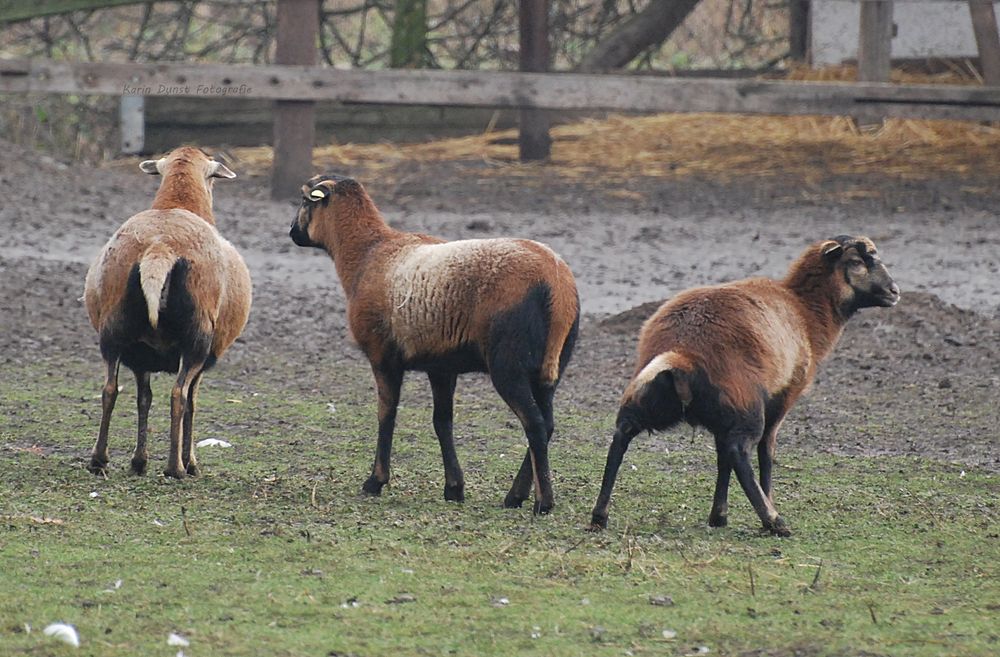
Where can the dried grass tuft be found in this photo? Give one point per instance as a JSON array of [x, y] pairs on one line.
[[722, 146]]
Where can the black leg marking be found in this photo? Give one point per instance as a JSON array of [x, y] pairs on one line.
[[388, 381], [521, 488], [443, 389], [616, 452], [719, 516], [738, 445], [515, 389]]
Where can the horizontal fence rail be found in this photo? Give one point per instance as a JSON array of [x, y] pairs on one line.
[[554, 91]]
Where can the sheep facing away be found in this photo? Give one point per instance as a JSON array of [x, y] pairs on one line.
[[167, 294], [507, 307], [735, 357]]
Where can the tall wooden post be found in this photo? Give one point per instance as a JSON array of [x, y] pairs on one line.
[[875, 43], [984, 25], [798, 30], [294, 121], [534, 140]]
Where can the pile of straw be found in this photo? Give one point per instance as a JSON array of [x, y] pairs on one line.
[[720, 146]]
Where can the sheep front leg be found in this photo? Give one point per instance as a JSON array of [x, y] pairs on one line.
[[765, 457], [719, 517], [179, 397], [443, 389], [616, 452], [388, 381], [99, 457], [143, 399]]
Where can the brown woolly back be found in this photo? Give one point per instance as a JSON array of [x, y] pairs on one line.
[[742, 336], [755, 333]]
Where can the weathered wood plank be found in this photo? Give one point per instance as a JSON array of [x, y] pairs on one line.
[[875, 42], [984, 26], [12, 11], [502, 89]]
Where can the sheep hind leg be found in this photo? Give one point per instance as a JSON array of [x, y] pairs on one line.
[[738, 447], [388, 382], [179, 397], [521, 488], [515, 389], [443, 389], [189, 460], [99, 457], [143, 399]]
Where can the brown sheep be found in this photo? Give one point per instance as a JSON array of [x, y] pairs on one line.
[[508, 307], [167, 294], [735, 357]]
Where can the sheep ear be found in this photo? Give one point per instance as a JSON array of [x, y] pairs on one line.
[[319, 194], [831, 250], [151, 166], [220, 170]]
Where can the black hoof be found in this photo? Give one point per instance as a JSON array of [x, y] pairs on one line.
[[98, 468], [138, 467], [512, 501], [718, 521], [543, 508], [597, 523], [193, 469], [372, 487], [454, 493], [779, 528]]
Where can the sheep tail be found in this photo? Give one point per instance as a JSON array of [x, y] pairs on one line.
[[666, 376], [154, 275], [564, 310]]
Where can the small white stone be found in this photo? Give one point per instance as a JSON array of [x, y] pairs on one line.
[[63, 632], [213, 442]]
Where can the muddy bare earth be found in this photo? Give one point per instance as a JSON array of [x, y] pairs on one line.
[[920, 379]]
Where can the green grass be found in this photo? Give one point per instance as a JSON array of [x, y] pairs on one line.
[[273, 552]]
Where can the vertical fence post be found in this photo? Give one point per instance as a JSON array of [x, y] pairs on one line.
[[534, 140], [294, 121], [132, 120], [798, 30], [984, 24], [875, 43]]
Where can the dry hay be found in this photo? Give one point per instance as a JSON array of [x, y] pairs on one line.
[[720, 146]]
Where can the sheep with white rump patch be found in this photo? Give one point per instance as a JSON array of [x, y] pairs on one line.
[[507, 307], [167, 294], [735, 357]]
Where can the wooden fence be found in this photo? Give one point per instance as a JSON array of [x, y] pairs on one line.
[[295, 84]]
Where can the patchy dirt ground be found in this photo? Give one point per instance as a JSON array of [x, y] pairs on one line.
[[922, 378]]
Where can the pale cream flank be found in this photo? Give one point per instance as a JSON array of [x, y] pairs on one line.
[[434, 290], [789, 355]]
